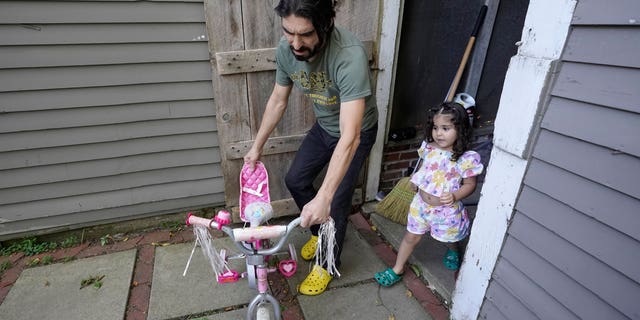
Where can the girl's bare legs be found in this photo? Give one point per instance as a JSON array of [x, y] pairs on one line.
[[454, 246], [458, 248], [409, 243]]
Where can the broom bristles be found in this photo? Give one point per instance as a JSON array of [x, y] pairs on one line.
[[395, 206]]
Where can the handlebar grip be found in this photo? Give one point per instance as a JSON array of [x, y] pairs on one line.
[[195, 220], [259, 233]]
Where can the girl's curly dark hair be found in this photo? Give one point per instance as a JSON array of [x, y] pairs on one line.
[[460, 120]]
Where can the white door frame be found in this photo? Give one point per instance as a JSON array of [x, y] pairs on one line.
[[523, 96], [388, 42]]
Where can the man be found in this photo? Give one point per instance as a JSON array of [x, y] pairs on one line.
[[330, 66]]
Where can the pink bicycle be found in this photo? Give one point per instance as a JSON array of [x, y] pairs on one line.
[[254, 245]]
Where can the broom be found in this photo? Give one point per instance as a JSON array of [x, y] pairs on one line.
[[395, 205]]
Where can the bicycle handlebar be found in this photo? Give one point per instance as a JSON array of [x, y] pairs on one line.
[[239, 235]]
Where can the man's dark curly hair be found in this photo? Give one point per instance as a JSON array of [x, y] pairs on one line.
[[460, 120], [319, 12]]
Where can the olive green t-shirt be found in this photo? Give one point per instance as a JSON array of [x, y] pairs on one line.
[[339, 73]]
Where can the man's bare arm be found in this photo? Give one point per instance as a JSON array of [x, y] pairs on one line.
[[319, 208], [276, 106]]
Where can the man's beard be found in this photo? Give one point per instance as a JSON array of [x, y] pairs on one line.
[[310, 53]]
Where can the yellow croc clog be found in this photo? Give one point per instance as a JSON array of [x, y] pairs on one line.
[[316, 282], [308, 251]]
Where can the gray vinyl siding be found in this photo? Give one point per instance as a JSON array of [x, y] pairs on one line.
[[106, 113], [572, 250]]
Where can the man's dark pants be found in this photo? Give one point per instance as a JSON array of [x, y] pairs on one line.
[[314, 154]]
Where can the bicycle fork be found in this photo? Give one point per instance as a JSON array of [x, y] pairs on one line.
[[256, 266]]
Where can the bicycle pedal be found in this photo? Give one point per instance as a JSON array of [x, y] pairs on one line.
[[229, 276], [237, 256], [288, 267]]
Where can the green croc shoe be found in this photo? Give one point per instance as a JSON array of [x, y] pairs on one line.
[[451, 260], [387, 278], [308, 251]]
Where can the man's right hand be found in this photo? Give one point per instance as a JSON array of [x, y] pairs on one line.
[[251, 158]]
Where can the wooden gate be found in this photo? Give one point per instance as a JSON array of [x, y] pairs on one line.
[[243, 35]]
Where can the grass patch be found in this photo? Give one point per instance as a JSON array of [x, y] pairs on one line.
[[5, 266], [31, 246], [47, 260], [173, 226], [69, 242]]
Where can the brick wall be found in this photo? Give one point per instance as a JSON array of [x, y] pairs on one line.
[[398, 161]]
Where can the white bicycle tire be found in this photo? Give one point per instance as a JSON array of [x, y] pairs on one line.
[[263, 312]]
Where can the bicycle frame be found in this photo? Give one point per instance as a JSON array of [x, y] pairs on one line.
[[255, 257]]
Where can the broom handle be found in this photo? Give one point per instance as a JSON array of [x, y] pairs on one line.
[[467, 52], [417, 166]]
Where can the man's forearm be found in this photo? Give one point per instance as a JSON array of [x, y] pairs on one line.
[[351, 115], [338, 166], [269, 121], [274, 111]]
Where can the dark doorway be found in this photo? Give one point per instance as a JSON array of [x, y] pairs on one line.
[[433, 39]]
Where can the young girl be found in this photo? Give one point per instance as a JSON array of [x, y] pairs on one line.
[[446, 176]]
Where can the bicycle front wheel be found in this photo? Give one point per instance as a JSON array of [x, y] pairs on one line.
[[264, 313]]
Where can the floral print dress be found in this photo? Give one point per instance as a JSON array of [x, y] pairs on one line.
[[436, 175]]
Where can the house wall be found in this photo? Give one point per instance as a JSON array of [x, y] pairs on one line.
[[106, 113], [522, 100], [572, 250], [572, 246]]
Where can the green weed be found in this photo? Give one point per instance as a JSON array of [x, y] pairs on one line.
[[96, 281], [5, 266], [174, 226], [47, 260], [30, 246], [69, 242], [106, 239]]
